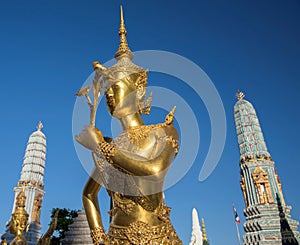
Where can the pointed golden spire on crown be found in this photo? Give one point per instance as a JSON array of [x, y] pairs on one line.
[[123, 46], [240, 95], [204, 237]]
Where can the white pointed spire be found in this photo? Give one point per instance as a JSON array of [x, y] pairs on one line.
[[196, 238], [31, 182], [34, 159]]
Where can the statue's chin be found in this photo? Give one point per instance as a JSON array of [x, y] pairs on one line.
[[120, 113]]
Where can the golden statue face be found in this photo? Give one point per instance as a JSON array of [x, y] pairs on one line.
[[122, 98], [16, 225], [18, 222]]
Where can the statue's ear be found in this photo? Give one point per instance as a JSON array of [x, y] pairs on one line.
[[145, 105], [141, 92]]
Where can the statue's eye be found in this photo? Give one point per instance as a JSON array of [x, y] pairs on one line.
[[116, 87]]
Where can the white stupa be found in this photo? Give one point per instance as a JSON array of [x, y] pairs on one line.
[[79, 231], [32, 183], [196, 238]]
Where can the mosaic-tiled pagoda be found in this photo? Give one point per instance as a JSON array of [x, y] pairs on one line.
[[32, 183], [268, 220]]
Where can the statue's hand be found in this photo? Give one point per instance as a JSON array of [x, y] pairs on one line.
[[90, 137]]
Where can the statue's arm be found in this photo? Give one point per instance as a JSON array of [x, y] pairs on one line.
[[90, 200], [92, 209], [153, 166]]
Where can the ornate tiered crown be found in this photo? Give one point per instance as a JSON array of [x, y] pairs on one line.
[[124, 69]]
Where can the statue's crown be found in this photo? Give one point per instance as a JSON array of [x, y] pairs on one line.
[[124, 68]]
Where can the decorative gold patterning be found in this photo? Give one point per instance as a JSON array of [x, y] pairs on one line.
[[98, 235], [140, 233], [107, 150], [139, 133], [254, 158], [31, 183], [126, 205], [261, 181]]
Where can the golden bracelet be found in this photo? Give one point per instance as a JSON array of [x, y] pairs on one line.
[[107, 150], [98, 235]]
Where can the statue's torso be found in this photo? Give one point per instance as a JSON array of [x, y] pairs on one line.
[[137, 197], [138, 200]]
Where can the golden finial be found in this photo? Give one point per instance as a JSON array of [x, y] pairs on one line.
[[240, 95], [39, 126], [170, 117], [123, 47], [204, 237]]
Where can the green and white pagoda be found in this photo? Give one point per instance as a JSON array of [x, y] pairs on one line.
[[268, 220]]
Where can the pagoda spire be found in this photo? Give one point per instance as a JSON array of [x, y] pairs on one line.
[[123, 49], [34, 160], [204, 236], [31, 183], [250, 137], [196, 238], [260, 183], [240, 95], [39, 126]]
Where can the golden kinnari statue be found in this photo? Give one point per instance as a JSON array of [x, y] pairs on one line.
[[132, 167], [18, 223]]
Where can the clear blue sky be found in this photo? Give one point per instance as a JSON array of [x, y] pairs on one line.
[[46, 51]]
